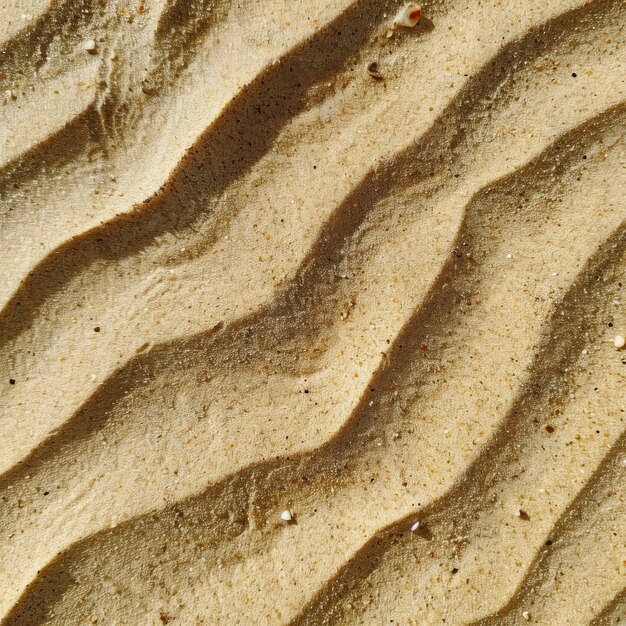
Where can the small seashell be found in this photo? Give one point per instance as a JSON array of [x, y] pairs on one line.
[[373, 71], [286, 516], [408, 16]]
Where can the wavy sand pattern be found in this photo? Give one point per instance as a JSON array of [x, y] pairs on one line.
[[243, 275]]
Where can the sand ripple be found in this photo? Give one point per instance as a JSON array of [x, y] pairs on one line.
[[242, 276]]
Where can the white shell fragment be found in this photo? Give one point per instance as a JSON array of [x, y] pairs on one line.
[[408, 16], [286, 516], [619, 341], [415, 527], [90, 45], [526, 615]]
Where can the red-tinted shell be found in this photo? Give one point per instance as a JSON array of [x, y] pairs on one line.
[[408, 16]]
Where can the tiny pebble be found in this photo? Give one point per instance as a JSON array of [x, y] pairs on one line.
[[526, 615], [90, 45], [509, 256], [619, 341], [415, 527], [286, 516]]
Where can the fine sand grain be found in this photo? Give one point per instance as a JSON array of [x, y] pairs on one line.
[[310, 318]]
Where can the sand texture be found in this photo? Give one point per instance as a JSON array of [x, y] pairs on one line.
[[282, 256]]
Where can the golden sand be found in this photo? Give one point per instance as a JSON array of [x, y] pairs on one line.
[[280, 280]]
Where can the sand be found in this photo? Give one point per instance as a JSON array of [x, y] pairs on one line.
[[246, 272]]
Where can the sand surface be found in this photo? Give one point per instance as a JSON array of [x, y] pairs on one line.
[[246, 272]]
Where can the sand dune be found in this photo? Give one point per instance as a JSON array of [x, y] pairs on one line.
[[243, 276]]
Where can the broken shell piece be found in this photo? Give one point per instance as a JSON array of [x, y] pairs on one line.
[[408, 16], [373, 71], [90, 46], [415, 526], [526, 616], [619, 341], [286, 516]]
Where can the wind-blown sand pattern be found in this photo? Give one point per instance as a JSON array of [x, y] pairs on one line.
[[243, 275]]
